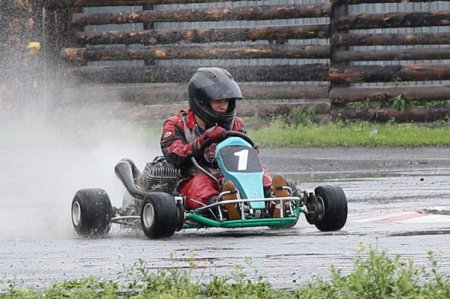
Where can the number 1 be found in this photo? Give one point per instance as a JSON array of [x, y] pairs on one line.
[[243, 157]]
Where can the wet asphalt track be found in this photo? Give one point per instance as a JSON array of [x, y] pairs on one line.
[[399, 200]]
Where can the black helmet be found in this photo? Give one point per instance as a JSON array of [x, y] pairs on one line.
[[213, 83]]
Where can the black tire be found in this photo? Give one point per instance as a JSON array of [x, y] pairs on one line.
[[159, 215], [91, 212], [334, 208], [180, 217]]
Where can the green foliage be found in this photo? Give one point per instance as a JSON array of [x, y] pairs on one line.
[[366, 104], [237, 286], [375, 275], [301, 128], [302, 116], [84, 288], [398, 103]]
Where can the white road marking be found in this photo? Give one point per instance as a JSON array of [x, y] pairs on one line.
[[402, 216]]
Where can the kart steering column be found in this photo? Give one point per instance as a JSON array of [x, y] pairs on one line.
[[194, 161], [208, 142]]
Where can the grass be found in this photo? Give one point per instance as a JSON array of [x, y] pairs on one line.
[[365, 134], [297, 130], [375, 275]]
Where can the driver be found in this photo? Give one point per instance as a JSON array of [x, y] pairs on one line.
[[212, 110]]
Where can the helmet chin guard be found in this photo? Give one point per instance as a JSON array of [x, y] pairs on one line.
[[213, 83]]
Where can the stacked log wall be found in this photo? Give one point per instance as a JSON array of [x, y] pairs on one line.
[[285, 54], [277, 52], [395, 51]]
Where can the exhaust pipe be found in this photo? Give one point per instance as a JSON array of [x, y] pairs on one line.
[[127, 172]]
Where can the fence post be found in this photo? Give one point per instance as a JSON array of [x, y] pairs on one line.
[[57, 34], [20, 57], [338, 8], [149, 26]]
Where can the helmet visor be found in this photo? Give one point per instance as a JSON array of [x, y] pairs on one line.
[[222, 90]]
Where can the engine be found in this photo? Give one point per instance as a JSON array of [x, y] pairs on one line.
[[158, 175]]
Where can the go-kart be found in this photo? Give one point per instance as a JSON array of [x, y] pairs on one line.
[[153, 202]]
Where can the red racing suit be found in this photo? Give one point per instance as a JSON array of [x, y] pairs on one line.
[[179, 134]]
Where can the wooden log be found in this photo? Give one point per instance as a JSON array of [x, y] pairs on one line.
[[397, 54], [170, 93], [413, 114], [283, 91], [146, 112], [103, 53], [266, 109], [384, 39], [158, 74], [384, 1], [393, 20], [261, 12], [167, 36], [94, 3], [341, 95], [389, 73]]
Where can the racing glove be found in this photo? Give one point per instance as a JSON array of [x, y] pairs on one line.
[[215, 134]]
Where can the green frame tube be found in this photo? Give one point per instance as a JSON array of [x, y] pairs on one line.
[[203, 221]]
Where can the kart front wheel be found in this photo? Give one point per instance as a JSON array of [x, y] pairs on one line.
[[333, 204], [159, 215], [91, 212]]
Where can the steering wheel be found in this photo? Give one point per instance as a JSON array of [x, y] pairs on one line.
[[208, 142]]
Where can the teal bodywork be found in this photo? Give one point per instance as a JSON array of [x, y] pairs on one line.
[[249, 184], [239, 162]]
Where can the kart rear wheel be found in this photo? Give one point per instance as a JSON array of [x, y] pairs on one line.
[[91, 212], [334, 203], [159, 215]]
